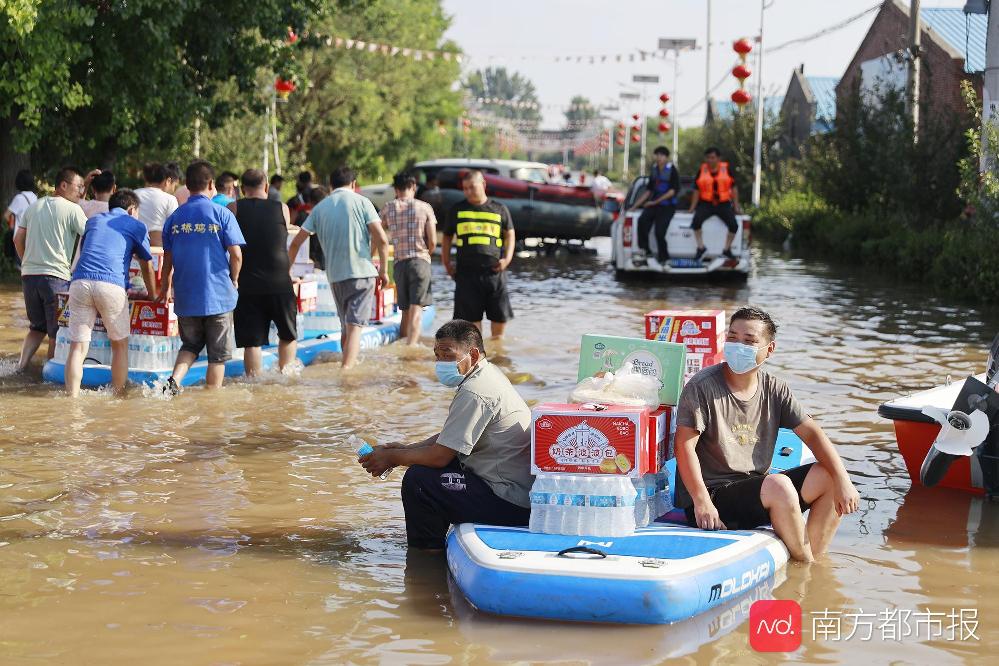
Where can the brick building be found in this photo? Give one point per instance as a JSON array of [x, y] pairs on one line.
[[953, 51], [809, 107]]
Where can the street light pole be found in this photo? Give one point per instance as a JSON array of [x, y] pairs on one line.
[[676, 118], [707, 62], [758, 143]]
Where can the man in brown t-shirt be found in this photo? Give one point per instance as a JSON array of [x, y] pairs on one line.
[[727, 423]]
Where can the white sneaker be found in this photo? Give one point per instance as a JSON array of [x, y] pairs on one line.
[[654, 264]]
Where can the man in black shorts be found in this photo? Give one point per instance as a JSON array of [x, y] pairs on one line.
[[715, 195], [482, 231], [727, 423], [266, 293]]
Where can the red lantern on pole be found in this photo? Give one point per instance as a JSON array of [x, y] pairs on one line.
[[620, 126], [741, 97], [283, 87], [636, 128], [664, 112], [636, 137], [292, 37], [665, 127], [741, 72], [634, 116], [742, 46], [619, 141], [664, 98]]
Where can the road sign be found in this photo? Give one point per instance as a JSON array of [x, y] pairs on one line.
[[674, 44], [645, 78]]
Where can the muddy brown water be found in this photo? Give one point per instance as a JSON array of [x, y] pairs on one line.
[[234, 528]]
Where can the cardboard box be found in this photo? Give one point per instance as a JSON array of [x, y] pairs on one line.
[[658, 438], [697, 362], [151, 318], [589, 439], [384, 303], [302, 257], [702, 331], [666, 361], [307, 293]]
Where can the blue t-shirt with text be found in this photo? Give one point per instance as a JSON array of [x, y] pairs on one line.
[[198, 235], [109, 241]]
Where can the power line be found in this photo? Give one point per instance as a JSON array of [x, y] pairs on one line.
[[825, 31]]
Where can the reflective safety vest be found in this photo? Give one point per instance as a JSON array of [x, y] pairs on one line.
[[715, 187], [479, 227]]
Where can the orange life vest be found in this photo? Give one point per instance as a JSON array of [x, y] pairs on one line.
[[715, 187]]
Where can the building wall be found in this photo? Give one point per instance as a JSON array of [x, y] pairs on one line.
[[941, 73], [796, 114]]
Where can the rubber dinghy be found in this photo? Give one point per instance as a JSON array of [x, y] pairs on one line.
[[312, 344], [661, 574]]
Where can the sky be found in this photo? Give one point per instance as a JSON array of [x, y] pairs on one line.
[[527, 36]]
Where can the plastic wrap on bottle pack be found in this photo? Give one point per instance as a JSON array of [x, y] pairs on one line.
[[625, 387]]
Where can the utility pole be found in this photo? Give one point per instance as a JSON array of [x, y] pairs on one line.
[[990, 87], [912, 82], [707, 65], [676, 118], [758, 143]]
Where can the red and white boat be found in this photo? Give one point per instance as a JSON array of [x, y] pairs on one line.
[[916, 432]]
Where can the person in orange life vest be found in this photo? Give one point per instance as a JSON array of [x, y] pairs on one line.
[[715, 194], [658, 202]]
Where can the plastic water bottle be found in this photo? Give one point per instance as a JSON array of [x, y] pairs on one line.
[[664, 494], [539, 503], [573, 508], [363, 449], [623, 511], [641, 505], [553, 514]]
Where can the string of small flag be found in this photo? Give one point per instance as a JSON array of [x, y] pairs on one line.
[[390, 50], [519, 104]]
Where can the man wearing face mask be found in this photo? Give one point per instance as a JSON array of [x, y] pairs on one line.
[[727, 423], [477, 468]]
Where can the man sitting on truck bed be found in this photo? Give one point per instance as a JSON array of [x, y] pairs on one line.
[[658, 202], [715, 194], [727, 423]]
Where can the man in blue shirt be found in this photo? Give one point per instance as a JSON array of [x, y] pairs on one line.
[[201, 262], [99, 286], [348, 226], [658, 202]]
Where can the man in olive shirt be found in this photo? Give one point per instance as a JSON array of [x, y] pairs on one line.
[[477, 468], [727, 423], [482, 231]]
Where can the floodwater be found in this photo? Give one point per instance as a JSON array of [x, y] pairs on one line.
[[235, 528]]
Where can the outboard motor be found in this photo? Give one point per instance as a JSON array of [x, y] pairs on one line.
[[967, 430]]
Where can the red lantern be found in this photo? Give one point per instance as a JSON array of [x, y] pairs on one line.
[[743, 46], [741, 97], [619, 141], [284, 87], [620, 126], [741, 72], [634, 116], [664, 113], [665, 127], [635, 137], [292, 37], [636, 128], [664, 98]]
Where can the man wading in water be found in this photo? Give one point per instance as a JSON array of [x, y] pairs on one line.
[[727, 424]]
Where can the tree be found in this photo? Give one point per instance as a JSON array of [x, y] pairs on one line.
[[515, 96], [579, 113]]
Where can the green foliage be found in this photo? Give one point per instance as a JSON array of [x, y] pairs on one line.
[[980, 189], [490, 83], [871, 161], [779, 215], [580, 112]]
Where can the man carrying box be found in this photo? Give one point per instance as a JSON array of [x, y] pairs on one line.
[[477, 469], [727, 423], [99, 282], [201, 260]]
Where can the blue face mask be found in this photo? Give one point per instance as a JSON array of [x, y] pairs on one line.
[[448, 373], [740, 358]]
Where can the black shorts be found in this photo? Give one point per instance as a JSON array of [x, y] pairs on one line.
[[480, 291], [209, 332], [254, 313], [40, 302], [724, 211], [739, 504]]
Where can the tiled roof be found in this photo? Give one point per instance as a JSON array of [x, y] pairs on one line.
[[824, 92], [965, 33]]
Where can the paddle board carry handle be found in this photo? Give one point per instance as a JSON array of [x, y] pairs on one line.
[[581, 550]]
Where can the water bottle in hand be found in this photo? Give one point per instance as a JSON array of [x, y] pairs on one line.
[[363, 449]]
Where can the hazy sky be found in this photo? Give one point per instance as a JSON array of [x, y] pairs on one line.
[[527, 35]]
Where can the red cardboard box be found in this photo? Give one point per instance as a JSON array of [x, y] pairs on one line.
[[135, 272], [384, 303], [307, 293], [702, 331], [657, 441], [151, 318], [697, 362], [589, 439]]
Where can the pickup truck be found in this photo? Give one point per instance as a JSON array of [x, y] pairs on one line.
[[680, 241]]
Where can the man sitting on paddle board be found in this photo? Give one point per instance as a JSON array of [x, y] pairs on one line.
[[727, 423], [477, 469]]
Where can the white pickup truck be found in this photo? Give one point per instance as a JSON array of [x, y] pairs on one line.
[[681, 244]]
